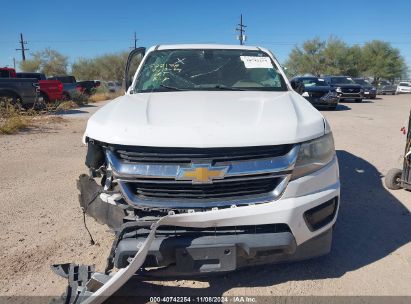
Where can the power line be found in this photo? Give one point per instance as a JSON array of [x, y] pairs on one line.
[[241, 29], [22, 49]]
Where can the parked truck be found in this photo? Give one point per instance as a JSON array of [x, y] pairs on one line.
[[23, 93], [50, 90], [71, 86], [210, 162]]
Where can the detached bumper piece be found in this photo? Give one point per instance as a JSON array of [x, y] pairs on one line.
[[78, 276], [91, 203], [89, 287], [323, 99]]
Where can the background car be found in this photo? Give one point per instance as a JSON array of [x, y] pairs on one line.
[[112, 86], [345, 87], [316, 91], [404, 87], [370, 91], [385, 87]]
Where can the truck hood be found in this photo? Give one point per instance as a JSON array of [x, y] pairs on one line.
[[206, 119]]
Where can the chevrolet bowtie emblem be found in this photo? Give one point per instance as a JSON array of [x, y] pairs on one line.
[[201, 173]]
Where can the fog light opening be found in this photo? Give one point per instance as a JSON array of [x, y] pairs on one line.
[[319, 216]]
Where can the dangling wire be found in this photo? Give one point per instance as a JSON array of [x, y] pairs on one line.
[[92, 242]]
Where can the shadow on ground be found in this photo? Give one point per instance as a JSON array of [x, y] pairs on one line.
[[340, 107], [353, 101], [372, 224], [70, 112]]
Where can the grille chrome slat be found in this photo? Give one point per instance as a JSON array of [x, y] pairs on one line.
[[217, 181], [187, 155], [277, 164]]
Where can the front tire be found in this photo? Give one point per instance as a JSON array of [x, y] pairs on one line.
[[393, 179], [45, 98], [358, 100]]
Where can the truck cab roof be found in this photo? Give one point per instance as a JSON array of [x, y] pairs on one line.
[[205, 46]]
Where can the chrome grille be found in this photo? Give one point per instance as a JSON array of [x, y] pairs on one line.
[[148, 176], [350, 90]]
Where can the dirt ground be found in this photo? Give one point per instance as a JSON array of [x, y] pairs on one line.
[[41, 220]]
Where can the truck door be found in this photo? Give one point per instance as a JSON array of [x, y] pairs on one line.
[[133, 61]]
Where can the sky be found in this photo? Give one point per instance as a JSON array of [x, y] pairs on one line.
[[89, 28]]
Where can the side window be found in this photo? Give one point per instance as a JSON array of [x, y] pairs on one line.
[[4, 74]]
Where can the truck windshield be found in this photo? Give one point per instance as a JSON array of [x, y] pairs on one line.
[[362, 81], [208, 69], [342, 80], [314, 82]]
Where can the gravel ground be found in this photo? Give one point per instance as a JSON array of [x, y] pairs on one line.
[[42, 222]]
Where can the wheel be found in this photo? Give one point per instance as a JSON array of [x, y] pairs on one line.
[[65, 96], [358, 100], [393, 179], [393, 93], [45, 98]]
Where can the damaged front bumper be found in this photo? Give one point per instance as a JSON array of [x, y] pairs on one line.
[[203, 242]]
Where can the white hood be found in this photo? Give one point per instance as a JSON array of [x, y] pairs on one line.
[[206, 119]]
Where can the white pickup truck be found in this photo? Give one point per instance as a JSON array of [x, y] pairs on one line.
[[212, 144]]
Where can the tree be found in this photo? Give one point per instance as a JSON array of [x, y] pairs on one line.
[[105, 67], [339, 58], [383, 61], [47, 61], [376, 59], [85, 69], [309, 59], [30, 65]]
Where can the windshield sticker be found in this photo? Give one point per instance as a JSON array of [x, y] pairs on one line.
[[254, 62]]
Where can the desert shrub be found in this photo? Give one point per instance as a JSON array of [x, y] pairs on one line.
[[11, 120]]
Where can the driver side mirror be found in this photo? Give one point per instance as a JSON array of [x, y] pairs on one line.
[[133, 61]]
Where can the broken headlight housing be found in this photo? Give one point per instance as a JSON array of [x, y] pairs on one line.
[[314, 155]]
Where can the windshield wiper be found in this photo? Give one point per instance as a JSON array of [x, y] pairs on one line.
[[171, 88], [223, 87]]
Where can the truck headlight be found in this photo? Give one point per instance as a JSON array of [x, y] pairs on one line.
[[314, 155], [338, 90]]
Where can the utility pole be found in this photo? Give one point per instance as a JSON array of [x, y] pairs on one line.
[[241, 29], [14, 63], [135, 40], [22, 49]]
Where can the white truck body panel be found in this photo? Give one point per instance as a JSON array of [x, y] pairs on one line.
[[206, 119]]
